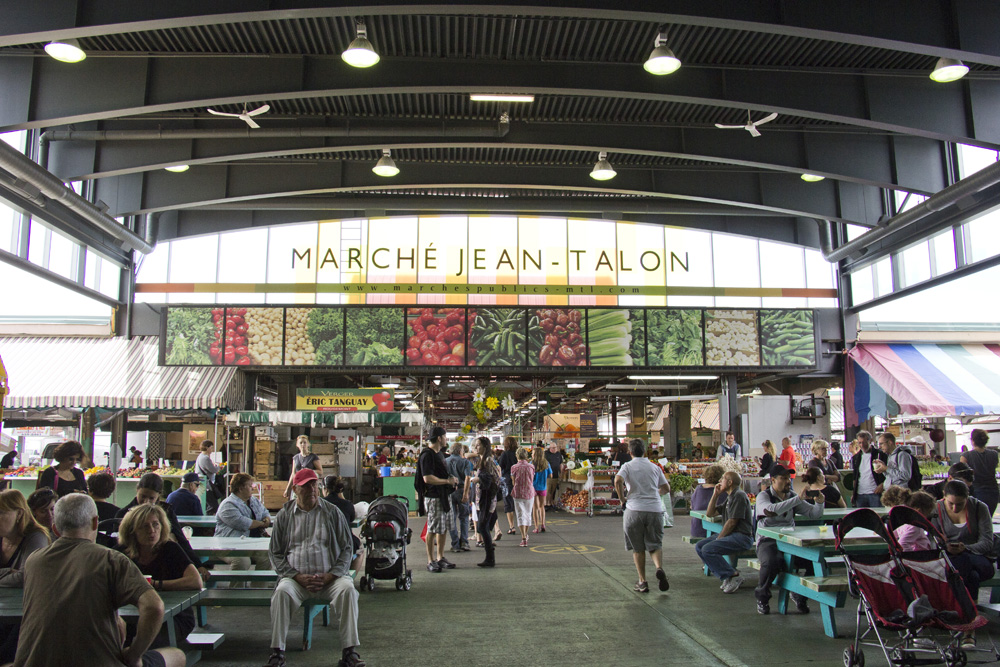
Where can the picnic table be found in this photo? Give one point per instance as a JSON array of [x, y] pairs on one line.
[[814, 544], [217, 547], [209, 521], [174, 602], [713, 524]]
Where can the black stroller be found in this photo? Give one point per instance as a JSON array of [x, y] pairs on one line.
[[386, 536]]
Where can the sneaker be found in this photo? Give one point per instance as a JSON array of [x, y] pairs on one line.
[[277, 659], [662, 578], [446, 564], [733, 584], [802, 604], [524, 543], [456, 550], [464, 547], [352, 659], [763, 608], [641, 587], [433, 567]]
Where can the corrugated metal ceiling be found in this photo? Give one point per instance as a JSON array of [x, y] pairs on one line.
[[508, 38]]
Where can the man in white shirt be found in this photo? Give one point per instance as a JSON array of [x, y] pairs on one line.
[[643, 520], [867, 482], [731, 448]]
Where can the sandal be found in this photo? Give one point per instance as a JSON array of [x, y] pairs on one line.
[[534, 530], [511, 531]]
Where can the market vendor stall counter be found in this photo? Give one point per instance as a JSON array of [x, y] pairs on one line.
[[401, 486]]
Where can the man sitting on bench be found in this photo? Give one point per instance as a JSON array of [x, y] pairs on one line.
[[735, 536], [311, 551], [776, 508]]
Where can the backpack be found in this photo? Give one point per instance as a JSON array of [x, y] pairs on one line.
[[420, 487], [916, 481]]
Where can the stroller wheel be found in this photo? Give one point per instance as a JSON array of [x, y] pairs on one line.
[[363, 582], [399, 584], [407, 582], [956, 658], [853, 658], [371, 583]]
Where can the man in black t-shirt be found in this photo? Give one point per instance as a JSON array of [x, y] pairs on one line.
[[433, 470]]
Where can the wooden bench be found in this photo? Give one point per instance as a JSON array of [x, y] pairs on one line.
[[691, 539], [261, 597], [733, 560], [993, 584]]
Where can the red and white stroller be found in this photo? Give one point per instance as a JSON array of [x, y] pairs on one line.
[[918, 595]]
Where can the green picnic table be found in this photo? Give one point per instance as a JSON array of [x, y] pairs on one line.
[[714, 524], [174, 602], [815, 544]]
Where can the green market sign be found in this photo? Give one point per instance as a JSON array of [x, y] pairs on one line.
[[487, 338]]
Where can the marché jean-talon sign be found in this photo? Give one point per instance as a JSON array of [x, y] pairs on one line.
[[503, 260]]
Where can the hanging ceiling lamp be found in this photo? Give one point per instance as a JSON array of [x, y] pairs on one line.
[[603, 171], [812, 178], [949, 69], [662, 60], [178, 168], [360, 53], [385, 166], [66, 51]]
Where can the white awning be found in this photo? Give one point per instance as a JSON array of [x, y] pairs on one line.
[[111, 373]]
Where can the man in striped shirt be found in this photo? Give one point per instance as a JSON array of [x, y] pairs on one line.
[[311, 551]]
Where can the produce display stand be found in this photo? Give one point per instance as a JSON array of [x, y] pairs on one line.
[[125, 487], [602, 484]]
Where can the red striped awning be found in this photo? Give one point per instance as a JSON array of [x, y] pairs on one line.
[[110, 373]]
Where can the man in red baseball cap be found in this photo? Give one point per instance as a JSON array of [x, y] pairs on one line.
[[311, 550]]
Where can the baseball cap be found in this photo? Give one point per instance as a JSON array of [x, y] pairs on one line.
[[780, 471], [437, 432], [304, 476], [191, 478]]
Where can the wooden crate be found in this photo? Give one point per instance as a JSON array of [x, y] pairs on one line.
[[266, 446], [324, 449], [264, 458], [263, 476], [328, 461], [272, 494]]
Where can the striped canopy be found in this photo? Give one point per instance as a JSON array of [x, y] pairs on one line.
[[906, 379], [110, 373]]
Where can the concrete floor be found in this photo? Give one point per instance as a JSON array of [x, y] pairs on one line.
[[553, 605]]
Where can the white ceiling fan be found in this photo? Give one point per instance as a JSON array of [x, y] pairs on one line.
[[246, 116], [751, 125]]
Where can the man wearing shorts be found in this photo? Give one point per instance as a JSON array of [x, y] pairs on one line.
[[555, 458], [432, 467], [643, 519]]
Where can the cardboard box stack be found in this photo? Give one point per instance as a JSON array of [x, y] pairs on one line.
[[264, 453]]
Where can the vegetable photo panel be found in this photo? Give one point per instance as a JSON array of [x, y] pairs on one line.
[[674, 337], [374, 336], [436, 336], [787, 337], [616, 337], [731, 338], [497, 337], [556, 337]]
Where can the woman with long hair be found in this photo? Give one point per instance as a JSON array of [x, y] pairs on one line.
[[542, 474], [508, 459], [42, 503], [984, 470], [20, 536], [818, 490], [487, 476], [768, 459], [523, 492], [144, 536]]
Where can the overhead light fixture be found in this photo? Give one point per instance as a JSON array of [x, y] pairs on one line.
[[178, 168], [673, 377], [385, 166], [543, 402], [575, 385], [662, 60], [390, 385], [66, 51], [675, 399], [489, 97], [603, 171], [948, 69], [584, 399], [812, 178], [360, 53]]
